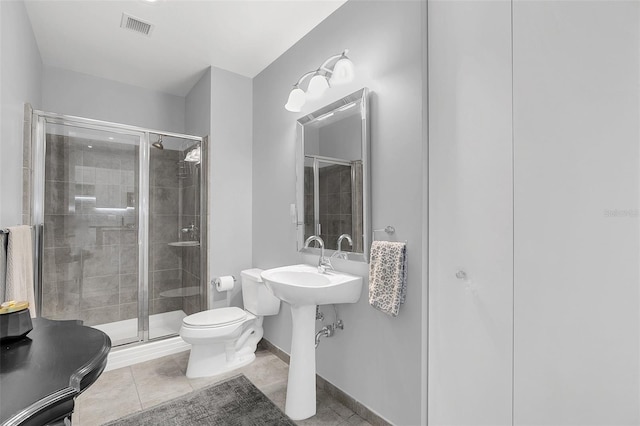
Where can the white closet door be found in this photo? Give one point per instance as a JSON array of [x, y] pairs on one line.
[[577, 185], [471, 210]]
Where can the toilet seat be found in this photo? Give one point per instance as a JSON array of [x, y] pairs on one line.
[[214, 318]]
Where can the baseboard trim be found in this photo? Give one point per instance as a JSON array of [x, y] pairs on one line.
[[345, 399], [136, 353]]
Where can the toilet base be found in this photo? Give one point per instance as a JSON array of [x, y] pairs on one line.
[[211, 360]]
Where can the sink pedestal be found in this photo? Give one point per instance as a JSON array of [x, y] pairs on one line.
[[301, 385], [303, 287]]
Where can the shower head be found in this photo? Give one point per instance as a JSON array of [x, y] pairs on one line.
[[158, 144]]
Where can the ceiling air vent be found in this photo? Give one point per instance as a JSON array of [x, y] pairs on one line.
[[134, 24]]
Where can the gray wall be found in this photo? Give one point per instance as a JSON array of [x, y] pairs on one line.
[[198, 107], [337, 140], [20, 82], [230, 202], [368, 360], [198, 123], [73, 93]]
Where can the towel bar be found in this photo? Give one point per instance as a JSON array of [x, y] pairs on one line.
[[389, 230]]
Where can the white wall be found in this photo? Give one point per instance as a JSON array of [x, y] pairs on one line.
[[376, 359], [20, 82], [470, 215], [83, 95], [230, 183], [576, 146], [573, 232]]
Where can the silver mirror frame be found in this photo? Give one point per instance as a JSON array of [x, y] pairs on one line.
[[361, 96]]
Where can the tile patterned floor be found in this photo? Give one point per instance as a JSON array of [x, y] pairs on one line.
[[127, 390]]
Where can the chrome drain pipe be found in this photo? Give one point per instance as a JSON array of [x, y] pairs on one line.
[[326, 331]]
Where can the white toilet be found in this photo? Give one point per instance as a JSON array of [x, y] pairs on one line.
[[224, 339]]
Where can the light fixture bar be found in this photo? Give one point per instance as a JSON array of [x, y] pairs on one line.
[[321, 79]]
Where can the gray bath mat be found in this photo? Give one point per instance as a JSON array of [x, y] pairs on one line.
[[235, 401]]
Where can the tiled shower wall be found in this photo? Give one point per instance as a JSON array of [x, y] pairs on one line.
[[337, 202], [189, 177], [308, 202], [358, 206], [90, 262], [90, 259], [165, 262]]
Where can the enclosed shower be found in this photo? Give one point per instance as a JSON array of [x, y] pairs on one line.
[[121, 225]]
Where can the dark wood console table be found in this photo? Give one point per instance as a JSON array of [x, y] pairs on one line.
[[42, 373]]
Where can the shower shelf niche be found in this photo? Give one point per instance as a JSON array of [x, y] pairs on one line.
[[185, 244], [181, 292]]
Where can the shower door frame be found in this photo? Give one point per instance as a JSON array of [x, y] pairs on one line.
[[317, 159], [40, 119]]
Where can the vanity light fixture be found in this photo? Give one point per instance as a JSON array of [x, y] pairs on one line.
[[341, 72], [317, 86]]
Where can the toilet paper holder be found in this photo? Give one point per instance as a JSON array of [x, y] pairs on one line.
[[213, 281], [225, 283]]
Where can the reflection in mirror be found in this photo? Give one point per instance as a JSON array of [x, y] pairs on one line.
[[332, 169]]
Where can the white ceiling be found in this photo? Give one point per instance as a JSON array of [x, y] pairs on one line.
[[236, 35]]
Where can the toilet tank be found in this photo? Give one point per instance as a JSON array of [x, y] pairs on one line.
[[256, 296]]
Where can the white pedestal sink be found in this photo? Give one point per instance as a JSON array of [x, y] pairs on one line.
[[303, 287]]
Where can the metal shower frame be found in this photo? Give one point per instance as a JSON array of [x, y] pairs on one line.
[[39, 121]]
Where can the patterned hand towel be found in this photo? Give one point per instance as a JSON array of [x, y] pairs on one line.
[[388, 276]]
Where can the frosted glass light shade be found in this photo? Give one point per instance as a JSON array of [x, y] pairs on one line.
[[343, 71], [317, 86], [297, 98]]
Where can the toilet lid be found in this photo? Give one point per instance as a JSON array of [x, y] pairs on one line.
[[215, 317]]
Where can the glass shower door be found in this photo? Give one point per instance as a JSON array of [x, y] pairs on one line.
[[174, 233], [91, 239]]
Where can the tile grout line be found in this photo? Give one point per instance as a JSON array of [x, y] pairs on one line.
[[133, 377]]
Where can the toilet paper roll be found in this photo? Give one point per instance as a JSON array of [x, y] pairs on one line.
[[224, 283]]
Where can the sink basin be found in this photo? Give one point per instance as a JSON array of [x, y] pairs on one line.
[[304, 285]]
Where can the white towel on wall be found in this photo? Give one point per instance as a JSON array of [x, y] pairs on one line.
[[3, 264], [19, 283], [388, 276]]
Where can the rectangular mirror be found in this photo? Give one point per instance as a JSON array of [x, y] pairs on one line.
[[332, 168]]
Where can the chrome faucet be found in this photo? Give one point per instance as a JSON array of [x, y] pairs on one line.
[[323, 262], [192, 230], [339, 253]]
